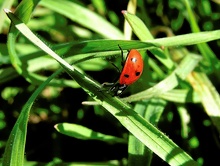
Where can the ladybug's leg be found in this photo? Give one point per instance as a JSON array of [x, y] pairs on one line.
[[112, 90], [122, 59], [106, 84], [121, 89]]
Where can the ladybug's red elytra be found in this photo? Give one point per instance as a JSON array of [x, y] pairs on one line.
[[131, 72]]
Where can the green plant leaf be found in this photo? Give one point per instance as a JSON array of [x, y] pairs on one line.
[[3, 5], [154, 139], [84, 133], [181, 96], [85, 17], [211, 61], [143, 33], [14, 151], [209, 96]]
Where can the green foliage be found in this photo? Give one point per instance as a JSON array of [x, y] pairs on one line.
[[176, 94]]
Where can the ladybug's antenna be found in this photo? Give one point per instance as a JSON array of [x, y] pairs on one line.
[[121, 53]]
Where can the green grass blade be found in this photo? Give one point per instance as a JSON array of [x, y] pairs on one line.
[[185, 119], [14, 151], [211, 61], [98, 46], [139, 154], [84, 133], [144, 34], [181, 96], [187, 39], [23, 12], [209, 96], [3, 5], [84, 17], [138, 26], [155, 140]]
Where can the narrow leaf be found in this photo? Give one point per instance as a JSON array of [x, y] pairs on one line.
[[81, 132]]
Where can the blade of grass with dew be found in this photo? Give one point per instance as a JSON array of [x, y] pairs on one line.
[[181, 72], [144, 34], [84, 17], [209, 96], [207, 53], [14, 151], [151, 110], [84, 133], [154, 139]]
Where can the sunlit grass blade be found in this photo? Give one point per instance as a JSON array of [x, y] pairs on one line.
[[209, 96], [85, 17], [210, 58], [23, 11], [84, 133], [181, 96], [155, 140], [138, 26], [132, 6], [151, 110], [91, 46], [185, 119], [187, 39], [144, 34], [3, 5], [14, 151]]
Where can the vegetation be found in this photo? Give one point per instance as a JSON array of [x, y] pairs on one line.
[[55, 55]]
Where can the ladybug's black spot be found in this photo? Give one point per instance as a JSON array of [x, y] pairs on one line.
[[134, 60], [126, 75], [137, 73]]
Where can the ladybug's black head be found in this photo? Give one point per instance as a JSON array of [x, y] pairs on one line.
[[118, 89]]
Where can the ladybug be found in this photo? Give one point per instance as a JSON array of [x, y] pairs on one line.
[[131, 72]]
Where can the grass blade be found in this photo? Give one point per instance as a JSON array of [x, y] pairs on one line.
[[14, 151], [138, 126], [81, 132], [85, 17]]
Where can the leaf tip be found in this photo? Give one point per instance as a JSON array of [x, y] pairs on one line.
[[124, 12], [56, 126], [7, 11]]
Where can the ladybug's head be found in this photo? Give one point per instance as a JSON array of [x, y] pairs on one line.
[[118, 89]]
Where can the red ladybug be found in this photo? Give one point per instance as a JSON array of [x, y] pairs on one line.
[[131, 72]]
